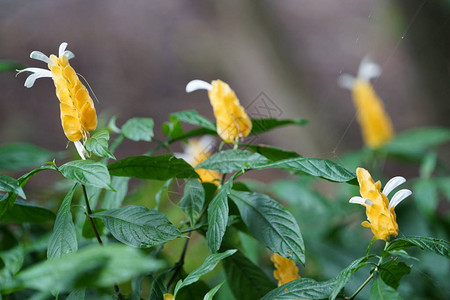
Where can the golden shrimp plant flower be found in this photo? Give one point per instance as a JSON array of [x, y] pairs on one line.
[[375, 124], [285, 269], [197, 151], [232, 121], [78, 115], [381, 218]]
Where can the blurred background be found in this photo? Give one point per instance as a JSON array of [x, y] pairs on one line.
[[138, 56]]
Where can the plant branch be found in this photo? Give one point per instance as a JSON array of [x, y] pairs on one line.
[[180, 263]]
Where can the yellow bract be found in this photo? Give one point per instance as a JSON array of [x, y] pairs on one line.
[[232, 121], [382, 219], [375, 124], [168, 297], [285, 269], [78, 114]]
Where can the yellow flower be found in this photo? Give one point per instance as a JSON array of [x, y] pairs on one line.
[[78, 115], [380, 212], [196, 152], [375, 124], [285, 269], [232, 121], [169, 297]]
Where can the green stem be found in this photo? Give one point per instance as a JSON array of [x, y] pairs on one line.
[[97, 235], [180, 263]]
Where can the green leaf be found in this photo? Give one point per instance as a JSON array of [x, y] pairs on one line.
[[158, 288], [344, 276], [138, 226], [10, 66], [303, 288], [87, 231], [413, 143], [441, 247], [172, 129], [208, 265], [193, 199], [317, 167], [232, 160], [218, 217], [87, 172], [98, 144], [271, 224], [272, 153], [162, 193], [64, 238], [25, 212], [194, 118], [10, 185], [161, 167], [19, 156], [77, 294], [263, 125], [381, 291], [246, 280], [97, 266], [213, 291], [138, 129], [425, 194], [13, 260], [392, 272], [114, 199]]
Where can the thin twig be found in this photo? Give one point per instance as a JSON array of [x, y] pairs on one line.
[[180, 263]]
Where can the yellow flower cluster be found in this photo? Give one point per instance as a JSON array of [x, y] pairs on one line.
[[375, 124], [232, 120], [285, 269], [380, 212]]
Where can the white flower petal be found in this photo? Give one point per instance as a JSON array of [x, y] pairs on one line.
[[69, 54], [187, 158], [207, 142], [36, 70], [360, 200], [81, 150], [38, 55], [62, 48], [29, 82], [368, 69], [196, 84], [392, 184], [346, 81], [399, 197]]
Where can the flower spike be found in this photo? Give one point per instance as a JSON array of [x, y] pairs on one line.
[[381, 218], [78, 115]]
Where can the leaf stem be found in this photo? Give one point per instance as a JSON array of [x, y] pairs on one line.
[[97, 235], [180, 263], [361, 287]]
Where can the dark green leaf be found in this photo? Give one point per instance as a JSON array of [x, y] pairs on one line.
[[344, 276], [87, 231], [24, 178], [246, 280], [213, 291], [98, 144], [158, 288], [218, 217], [161, 167], [303, 288], [272, 153], [64, 238], [87, 172], [25, 212], [193, 199], [271, 224], [172, 129], [138, 129], [263, 125], [77, 294], [10, 185], [441, 247], [138, 226], [19, 156], [392, 272], [98, 266], [114, 199], [194, 118], [317, 167], [13, 261], [208, 265], [381, 291], [413, 143], [232, 160]]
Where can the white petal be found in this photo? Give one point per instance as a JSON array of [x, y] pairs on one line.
[[346, 81], [392, 184], [29, 82], [69, 54], [62, 48], [399, 197], [81, 150], [186, 157], [360, 200], [368, 69], [36, 70], [196, 84], [207, 142], [40, 56]]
